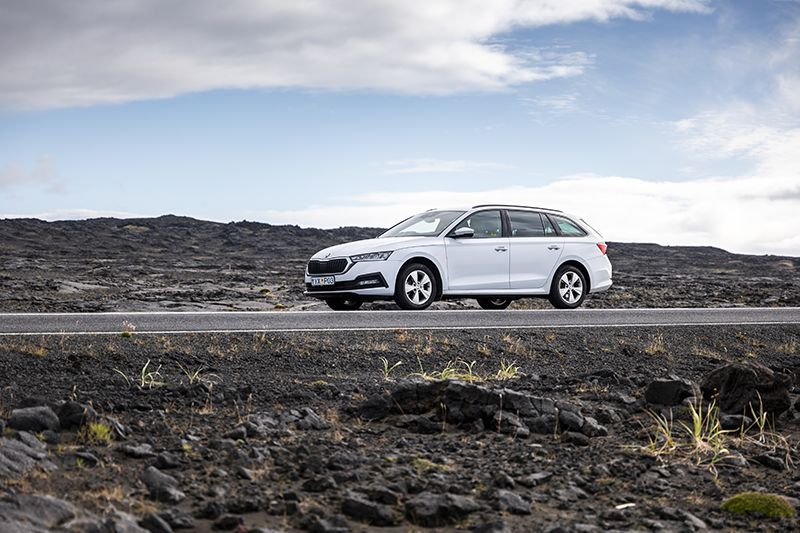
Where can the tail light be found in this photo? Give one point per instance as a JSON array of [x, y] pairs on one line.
[[603, 247]]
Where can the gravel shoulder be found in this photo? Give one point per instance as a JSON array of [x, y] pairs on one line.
[[183, 396]]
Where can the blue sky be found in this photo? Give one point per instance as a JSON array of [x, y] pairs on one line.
[[667, 121]]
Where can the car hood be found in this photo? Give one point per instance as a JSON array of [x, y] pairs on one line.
[[374, 245]]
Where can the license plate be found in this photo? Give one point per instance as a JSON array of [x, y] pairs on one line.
[[319, 282]]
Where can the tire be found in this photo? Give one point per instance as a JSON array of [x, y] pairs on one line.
[[493, 303], [415, 288], [344, 305], [569, 288]]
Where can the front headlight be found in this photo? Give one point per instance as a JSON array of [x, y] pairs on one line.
[[372, 256]]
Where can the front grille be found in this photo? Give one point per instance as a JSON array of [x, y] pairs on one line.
[[334, 266]]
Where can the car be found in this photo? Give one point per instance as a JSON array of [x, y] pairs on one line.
[[493, 253]]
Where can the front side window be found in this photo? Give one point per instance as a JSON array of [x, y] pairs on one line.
[[526, 224], [486, 224], [567, 227], [429, 224]]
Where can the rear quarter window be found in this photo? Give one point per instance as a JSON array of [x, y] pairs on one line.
[[568, 228]]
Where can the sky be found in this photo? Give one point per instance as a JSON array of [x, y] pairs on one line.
[[674, 122]]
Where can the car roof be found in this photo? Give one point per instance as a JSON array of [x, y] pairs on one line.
[[507, 206], [498, 206]]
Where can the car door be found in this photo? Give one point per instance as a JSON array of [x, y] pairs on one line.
[[478, 263], [535, 248]]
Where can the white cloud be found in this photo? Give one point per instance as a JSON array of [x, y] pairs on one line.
[[771, 140], [416, 166], [44, 173], [746, 215], [767, 131], [60, 54]]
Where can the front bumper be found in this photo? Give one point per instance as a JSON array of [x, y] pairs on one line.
[[360, 283], [363, 280]]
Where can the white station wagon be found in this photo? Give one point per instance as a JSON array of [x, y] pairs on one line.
[[493, 253]]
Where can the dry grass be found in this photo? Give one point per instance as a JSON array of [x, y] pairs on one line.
[[515, 346], [790, 347], [37, 351], [705, 351], [655, 345], [379, 347]]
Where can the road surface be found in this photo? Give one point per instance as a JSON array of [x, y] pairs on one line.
[[94, 323]]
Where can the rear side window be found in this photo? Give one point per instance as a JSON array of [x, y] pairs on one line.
[[568, 228], [526, 224]]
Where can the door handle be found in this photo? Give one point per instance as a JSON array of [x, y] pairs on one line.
[[553, 247], [501, 249]]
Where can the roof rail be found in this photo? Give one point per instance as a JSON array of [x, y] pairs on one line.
[[524, 206]]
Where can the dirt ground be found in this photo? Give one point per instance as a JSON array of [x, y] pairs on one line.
[[308, 453]]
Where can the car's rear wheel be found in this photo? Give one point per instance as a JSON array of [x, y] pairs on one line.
[[343, 305], [569, 288], [493, 303], [416, 287]]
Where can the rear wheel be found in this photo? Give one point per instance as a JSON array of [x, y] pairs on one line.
[[344, 305], [569, 288], [416, 287], [493, 303]]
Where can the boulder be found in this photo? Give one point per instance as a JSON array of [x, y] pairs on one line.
[[333, 524], [671, 391], [23, 513], [435, 510], [34, 419], [20, 456], [376, 407], [162, 486], [747, 387], [73, 415], [155, 524], [359, 508], [505, 500]]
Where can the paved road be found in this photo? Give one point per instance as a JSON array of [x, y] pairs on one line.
[[89, 323]]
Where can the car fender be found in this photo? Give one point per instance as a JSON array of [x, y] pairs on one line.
[[433, 254]]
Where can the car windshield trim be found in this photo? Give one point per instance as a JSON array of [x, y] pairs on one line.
[[427, 224]]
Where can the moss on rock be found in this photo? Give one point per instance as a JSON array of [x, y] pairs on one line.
[[769, 504]]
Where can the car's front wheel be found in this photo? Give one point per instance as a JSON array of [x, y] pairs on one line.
[[416, 287], [493, 303], [569, 288], [343, 305]]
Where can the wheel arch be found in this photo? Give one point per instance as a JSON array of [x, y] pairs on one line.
[[580, 266], [428, 263]]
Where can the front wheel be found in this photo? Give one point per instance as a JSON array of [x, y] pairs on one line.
[[416, 287], [569, 288], [493, 303], [343, 305]]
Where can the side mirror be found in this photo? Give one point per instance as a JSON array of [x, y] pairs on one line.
[[463, 233]]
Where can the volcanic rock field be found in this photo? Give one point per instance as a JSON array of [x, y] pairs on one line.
[[552, 430]]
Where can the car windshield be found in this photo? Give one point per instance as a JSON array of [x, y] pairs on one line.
[[428, 224]]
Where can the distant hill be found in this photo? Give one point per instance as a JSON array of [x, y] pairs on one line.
[[166, 235]]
